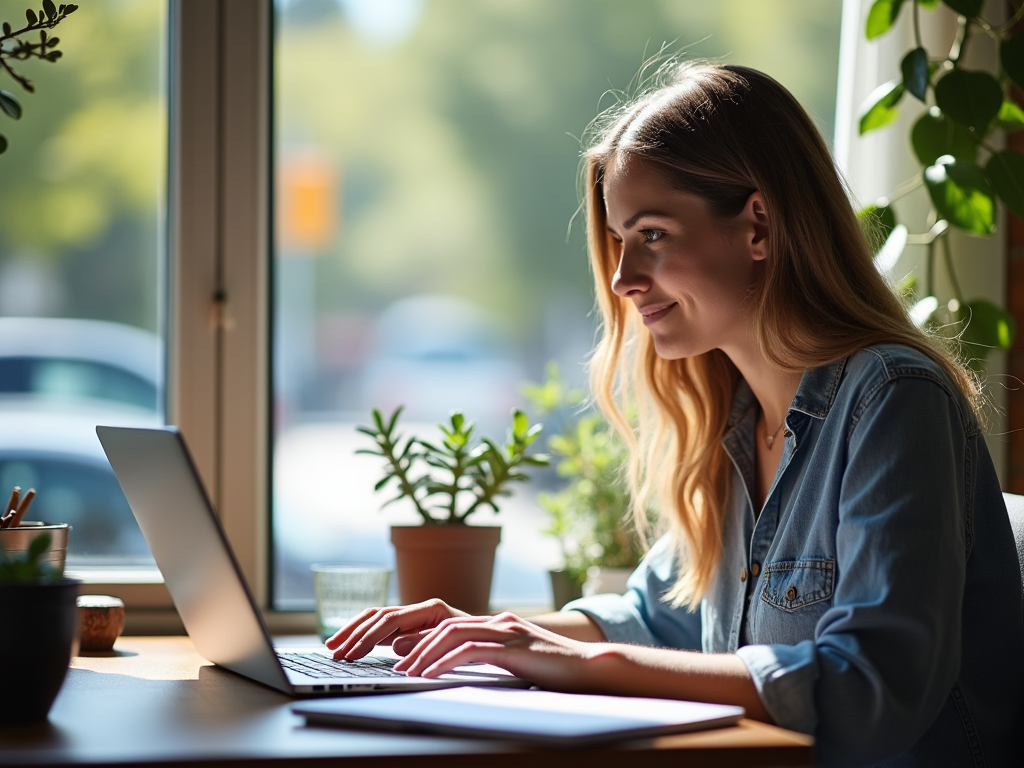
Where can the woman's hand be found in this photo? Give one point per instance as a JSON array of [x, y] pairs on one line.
[[400, 627], [507, 641]]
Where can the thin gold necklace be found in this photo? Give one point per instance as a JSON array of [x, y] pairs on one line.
[[770, 439]]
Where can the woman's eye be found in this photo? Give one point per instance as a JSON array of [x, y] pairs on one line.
[[651, 235]]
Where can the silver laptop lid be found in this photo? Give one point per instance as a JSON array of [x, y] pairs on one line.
[[166, 494]]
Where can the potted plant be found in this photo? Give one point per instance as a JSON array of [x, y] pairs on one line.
[[38, 627], [963, 169], [589, 515], [446, 482]]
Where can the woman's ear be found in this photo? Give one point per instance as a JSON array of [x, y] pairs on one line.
[[755, 220]]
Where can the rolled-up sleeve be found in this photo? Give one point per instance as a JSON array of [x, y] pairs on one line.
[[641, 616], [887, 652]]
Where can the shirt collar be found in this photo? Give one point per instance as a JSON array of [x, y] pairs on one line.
[[817, 390], [814, 396]]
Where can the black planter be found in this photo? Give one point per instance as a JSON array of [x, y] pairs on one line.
[[38, 627]]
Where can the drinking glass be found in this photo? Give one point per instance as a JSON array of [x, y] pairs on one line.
[[343, 591]]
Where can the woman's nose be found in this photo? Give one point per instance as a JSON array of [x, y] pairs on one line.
[[628, 280]]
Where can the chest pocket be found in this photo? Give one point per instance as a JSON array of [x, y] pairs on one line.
[[793, 584]]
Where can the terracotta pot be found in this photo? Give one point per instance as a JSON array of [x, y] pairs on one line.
[[452, 562]]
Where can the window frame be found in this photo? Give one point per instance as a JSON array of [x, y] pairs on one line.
[[217, 299]]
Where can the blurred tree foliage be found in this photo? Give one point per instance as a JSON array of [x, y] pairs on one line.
[[84, 177], [457, 144]]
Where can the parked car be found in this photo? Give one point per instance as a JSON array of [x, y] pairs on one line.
[[71, 359], [59, 378]]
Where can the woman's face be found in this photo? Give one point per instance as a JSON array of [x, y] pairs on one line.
[[687, 272]]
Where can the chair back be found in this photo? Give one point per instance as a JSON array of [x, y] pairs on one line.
[[1015, 507]]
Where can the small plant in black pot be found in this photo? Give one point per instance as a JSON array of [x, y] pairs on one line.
[[38, 627]]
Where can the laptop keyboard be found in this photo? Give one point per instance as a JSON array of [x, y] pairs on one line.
[[318, 665]]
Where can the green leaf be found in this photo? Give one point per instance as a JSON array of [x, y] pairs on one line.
[[907, 287], [930, 5], [934, 135], [878, 222], [985, 327], [1010, 117], [881, 17], [31, 16], [70, 8], [38, 546], [50, 8], [3, 143], [10, 105], [1011, 56], [915, 72], [7, 28], [968, 8], [972, 99], [962, 195], [520, 424], [1005, 172], [882, 106]]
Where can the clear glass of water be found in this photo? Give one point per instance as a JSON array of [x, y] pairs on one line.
[[343, 591]]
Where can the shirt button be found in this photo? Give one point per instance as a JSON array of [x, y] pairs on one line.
[[743, 574], [791, 593], [755, 569]]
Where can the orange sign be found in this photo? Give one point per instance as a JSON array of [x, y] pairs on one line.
[[307, 210]]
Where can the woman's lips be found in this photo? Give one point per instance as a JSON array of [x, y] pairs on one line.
[[650, 318]]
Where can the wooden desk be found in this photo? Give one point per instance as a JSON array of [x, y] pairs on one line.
[[154, 701]]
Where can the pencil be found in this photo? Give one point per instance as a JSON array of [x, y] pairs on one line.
[[13, 503], [23, 507]]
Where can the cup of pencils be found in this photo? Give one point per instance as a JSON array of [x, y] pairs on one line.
[[16, 533]]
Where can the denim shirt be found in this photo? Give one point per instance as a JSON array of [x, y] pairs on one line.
[[876, 597]]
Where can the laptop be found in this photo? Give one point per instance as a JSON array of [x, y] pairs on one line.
[[166, 495]]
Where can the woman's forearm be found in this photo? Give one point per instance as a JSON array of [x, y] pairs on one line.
[[633, 670], [576, 625]]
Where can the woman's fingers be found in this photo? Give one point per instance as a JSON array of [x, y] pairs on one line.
[[475, 651], [454, 632], [403, 644], [368, 632], [352, 626], [379, 625]]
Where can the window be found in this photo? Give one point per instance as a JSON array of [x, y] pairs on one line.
[[425, 160], [82, 270]]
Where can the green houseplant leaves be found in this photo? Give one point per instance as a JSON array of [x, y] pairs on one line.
[[448, 480], [964, 172], [984, 327], [881, 109], [961, 194], [935, 135], [1005, 172], [17, 45], [972, 99]]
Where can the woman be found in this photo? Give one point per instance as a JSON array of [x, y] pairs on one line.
[[839, 559]]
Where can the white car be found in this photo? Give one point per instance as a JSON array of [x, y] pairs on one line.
[[59, 378]]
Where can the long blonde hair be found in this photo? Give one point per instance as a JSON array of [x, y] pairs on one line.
[[722, 132]]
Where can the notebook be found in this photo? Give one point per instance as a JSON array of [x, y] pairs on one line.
[[540, 717], [166, 495]]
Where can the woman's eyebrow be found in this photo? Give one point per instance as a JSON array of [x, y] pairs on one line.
[[632, 220]]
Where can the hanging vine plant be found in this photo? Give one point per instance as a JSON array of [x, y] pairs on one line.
[[963, 173]]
